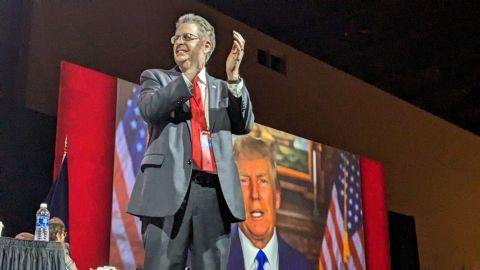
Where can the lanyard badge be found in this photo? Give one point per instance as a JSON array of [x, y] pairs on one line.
[[208, 162]]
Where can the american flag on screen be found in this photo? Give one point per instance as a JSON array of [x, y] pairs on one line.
[[126, 247], [343, 242]]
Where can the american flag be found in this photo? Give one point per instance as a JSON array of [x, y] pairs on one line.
[[57, 198], [126, 247], [343, 242]]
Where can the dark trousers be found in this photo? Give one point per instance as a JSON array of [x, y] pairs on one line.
[[200, 225]]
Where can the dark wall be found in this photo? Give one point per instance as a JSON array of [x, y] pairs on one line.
[[26, 158], [26, 136], [14, 35]]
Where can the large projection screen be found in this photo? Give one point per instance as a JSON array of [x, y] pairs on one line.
[[327, 208]]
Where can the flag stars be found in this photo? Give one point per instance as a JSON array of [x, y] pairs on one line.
[[348, 190], [137, 111], [142, 133], [129, 103], [133, 124], [138, 147]]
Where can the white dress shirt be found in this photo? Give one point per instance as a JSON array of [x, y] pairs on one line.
[[250, 252], [235, 89]]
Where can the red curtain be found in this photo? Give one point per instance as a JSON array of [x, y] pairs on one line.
[[86, 115], [377, 246]]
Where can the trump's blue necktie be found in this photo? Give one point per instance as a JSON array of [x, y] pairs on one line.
[[261, 259]]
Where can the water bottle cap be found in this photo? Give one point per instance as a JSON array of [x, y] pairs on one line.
[[43, 205]]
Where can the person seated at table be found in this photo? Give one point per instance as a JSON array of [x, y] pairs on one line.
[[25, 236], [58, 233]]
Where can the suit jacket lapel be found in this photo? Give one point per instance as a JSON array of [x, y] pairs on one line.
[[281, 257], [185, 106], [235, 260]]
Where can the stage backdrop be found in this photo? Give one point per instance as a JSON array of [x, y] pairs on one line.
[[332, 202]]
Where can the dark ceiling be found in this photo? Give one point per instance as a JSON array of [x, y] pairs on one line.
[[424, 52]]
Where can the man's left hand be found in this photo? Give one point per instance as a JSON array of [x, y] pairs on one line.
[[235, 57]]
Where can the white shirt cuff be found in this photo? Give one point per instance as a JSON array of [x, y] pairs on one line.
[[236, 88]]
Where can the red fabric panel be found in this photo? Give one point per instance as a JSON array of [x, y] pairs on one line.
[[86, 114], [377, 246]]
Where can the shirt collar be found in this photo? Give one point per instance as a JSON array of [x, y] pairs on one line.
[[202, 76], [250, 251]]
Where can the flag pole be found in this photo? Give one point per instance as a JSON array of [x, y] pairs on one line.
[[65, 148], [346, 247]]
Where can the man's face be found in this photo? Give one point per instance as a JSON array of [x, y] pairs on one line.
[[261, 199], [183, 50]]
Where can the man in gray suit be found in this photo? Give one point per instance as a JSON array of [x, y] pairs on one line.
[[187, 191]]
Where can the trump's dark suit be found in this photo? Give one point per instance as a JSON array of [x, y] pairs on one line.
[[289, 258], [164, 178]]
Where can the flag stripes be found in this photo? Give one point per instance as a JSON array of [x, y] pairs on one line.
[[344, 220], [126, 246]]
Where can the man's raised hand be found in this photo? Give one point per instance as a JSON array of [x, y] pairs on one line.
[[235, 57]]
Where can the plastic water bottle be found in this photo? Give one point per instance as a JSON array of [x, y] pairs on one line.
[[42, 223]]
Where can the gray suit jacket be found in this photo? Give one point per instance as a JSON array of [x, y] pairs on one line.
[[164, 176]]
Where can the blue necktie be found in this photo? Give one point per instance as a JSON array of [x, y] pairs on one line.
[[261, 259]]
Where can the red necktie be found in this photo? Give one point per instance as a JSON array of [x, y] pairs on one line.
[[204, 160]]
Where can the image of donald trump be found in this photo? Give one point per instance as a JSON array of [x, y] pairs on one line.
[[256, 243]]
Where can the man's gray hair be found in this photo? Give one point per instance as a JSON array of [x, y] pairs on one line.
[[204, 27]]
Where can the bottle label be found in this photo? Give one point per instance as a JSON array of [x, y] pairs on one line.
[[42, 221]]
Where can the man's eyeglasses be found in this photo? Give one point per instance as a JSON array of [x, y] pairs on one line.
[[184, 37]]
